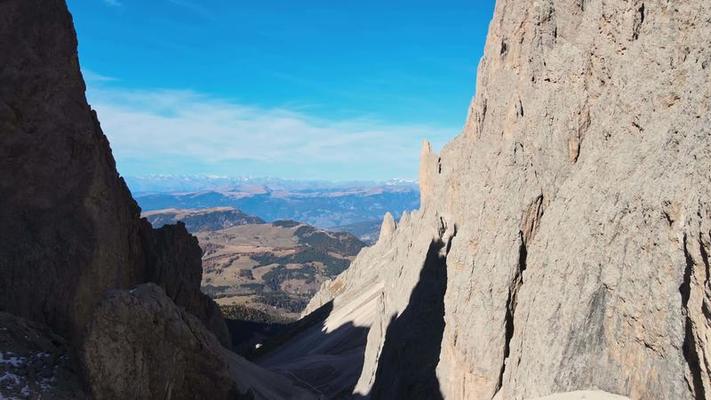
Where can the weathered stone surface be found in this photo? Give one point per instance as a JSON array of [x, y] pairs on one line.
[[583, 395], [388, 227], [140, 345], [174, 261], [70, 228], [429, 168], [35, 363], [574, 211], [71, 232]]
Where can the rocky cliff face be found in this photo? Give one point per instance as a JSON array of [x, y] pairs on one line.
[[174, 261], [36, 363], [570, 219], [562, 243], [70, 229], [183, 361], [72, 243]]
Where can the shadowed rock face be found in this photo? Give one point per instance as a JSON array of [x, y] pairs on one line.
[[70, 228], [34, 361], [124, 359], [326, 358], [71, 233], [141, 346], [173, 260], [415, 337], [580, 190]]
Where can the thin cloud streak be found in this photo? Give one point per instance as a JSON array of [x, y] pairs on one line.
[[94, 77], [162, 126]]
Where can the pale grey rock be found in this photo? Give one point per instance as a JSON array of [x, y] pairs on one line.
[[387, 229], [583, 395], [429, 168], [572, 216]]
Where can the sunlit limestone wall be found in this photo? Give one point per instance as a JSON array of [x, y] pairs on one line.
[[571, 216]]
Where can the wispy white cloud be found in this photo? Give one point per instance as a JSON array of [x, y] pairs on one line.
[[151, 128], [113, 3], [94, 77]]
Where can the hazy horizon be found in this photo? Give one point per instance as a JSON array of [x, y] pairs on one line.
[[161, 183]]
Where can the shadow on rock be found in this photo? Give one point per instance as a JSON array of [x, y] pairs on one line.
[[328, 363], [410, 354]]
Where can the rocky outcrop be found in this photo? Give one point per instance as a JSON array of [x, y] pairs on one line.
[[429, 168], [571, 217], [71, 230], [174, 261], [72, 243], [35, 363], [140, 345], [583, 395], [387, 228]]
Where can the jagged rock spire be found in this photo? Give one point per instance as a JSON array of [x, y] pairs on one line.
[[429, 168], [388, 227]]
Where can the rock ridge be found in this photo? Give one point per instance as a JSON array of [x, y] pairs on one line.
[[77, 261], [580, 190]]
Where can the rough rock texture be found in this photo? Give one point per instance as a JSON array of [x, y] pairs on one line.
[[572, 215], [174, 261], [387, 228], [140, 345], [583, 395], [35, 363], [429, 168], [71, 233], [70, 228]]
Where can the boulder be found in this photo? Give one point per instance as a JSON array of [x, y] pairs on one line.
[[174, 262], [140, 345]]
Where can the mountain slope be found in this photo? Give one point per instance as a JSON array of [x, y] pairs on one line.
[[367, 231], [271, 269], [570, 219], [70, 228], [77, 260]]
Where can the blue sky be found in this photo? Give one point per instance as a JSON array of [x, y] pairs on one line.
[[322, 89]]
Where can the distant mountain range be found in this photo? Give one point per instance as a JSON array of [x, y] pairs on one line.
[[198, 183], [321, 204], [270, 269], [207, 219], [367, 231]]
